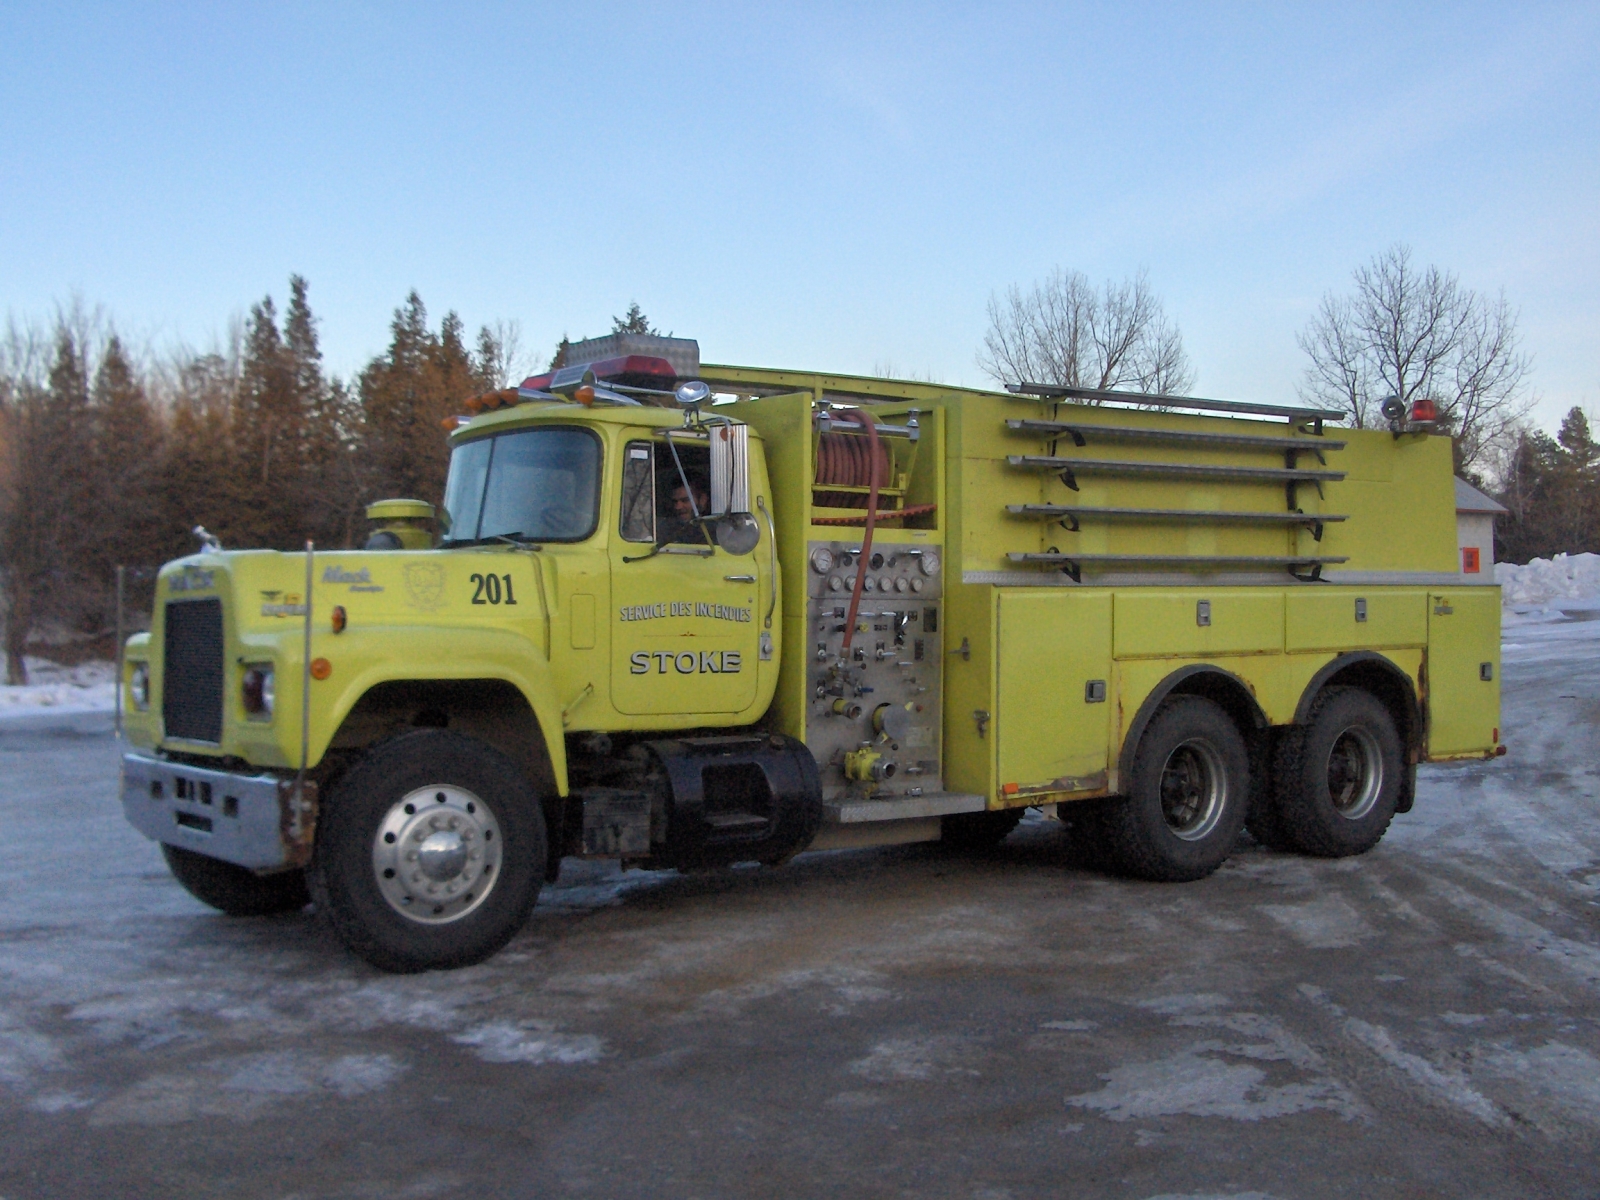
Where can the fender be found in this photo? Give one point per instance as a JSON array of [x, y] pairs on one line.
[[1147, 710], [1302, 712], [390, 654]]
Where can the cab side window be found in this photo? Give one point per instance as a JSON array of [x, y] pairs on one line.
[[639, 493], [656, 505]]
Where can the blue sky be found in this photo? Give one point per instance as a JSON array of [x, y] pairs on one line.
[[831, 186]]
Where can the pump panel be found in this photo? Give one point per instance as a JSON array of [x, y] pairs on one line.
[[883, 697]]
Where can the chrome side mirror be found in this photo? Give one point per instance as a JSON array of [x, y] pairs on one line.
[[737, 533]]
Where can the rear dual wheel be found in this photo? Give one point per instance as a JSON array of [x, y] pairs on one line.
[[1337, 778], [1187, 796], [967, 833]]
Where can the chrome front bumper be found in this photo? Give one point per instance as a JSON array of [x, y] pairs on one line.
[[257, 821]]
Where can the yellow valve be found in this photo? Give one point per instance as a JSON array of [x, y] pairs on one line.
[[859, 764]]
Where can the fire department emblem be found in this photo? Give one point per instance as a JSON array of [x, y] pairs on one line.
[[424, 585]]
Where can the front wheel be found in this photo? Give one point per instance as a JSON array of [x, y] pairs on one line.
[[429, 853], [1187, 797], [235, 890]]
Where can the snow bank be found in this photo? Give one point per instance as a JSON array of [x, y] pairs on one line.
[[1564, 577], [1550, 591], [89, 687]]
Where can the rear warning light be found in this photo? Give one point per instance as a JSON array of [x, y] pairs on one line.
[[1424, 411], [631, 370]]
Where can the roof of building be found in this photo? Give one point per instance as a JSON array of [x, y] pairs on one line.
[[1470, 500]]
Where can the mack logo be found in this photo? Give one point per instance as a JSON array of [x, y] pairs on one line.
[[359, 581], [193, 579], [688, 662]]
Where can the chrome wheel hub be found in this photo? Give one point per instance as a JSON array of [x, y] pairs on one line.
[[1194, 789], [1355, 773], [436, 854]]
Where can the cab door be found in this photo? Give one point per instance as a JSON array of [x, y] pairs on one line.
[[685, 623]]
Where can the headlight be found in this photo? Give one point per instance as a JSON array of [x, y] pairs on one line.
[[256, 691], [139, 686]]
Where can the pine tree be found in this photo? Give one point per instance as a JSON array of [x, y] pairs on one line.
[[406, 395], [126, 458], [201, 480], [46, 512], [634, 321]]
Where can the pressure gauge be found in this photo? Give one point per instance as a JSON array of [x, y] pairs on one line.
[[929, 562], [834, 583], [822, 560]]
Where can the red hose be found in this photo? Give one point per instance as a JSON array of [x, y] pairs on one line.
[[870, 423]]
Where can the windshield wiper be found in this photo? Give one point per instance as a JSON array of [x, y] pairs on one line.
[[510, 539]]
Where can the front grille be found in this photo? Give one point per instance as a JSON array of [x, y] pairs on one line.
[[191, 695]]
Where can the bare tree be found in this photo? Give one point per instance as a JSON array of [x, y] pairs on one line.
[[1416, 333], [1064, 330], [502, 360]]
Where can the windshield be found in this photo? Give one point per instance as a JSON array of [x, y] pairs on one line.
[[540, 485]]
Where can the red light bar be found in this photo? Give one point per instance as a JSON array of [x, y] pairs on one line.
[[631, 370]]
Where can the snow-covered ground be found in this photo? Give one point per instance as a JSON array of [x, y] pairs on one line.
[[1421, 1020], [88, 687]]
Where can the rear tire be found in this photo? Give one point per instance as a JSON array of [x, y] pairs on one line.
[[429, 853], [1338, 776], [1187, 798], [236, 890], [968, 833], [1263, 820]]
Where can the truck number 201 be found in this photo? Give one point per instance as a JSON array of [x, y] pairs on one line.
[[489, 589]]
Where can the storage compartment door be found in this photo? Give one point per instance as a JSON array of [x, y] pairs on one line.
[[1463, 640], [1053, 709]]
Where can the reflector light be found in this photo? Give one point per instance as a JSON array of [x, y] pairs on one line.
[[340, 620], [584, 395], [321, 668]]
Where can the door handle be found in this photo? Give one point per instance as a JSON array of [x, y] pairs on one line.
[[740, 578]]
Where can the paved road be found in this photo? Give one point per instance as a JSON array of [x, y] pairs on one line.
[[1423, 1021]]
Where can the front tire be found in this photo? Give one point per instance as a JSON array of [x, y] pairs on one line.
[[233, 889], [1187, 799], [1338, 777], [429, 853]]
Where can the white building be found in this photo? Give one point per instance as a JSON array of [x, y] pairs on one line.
[[1475, 514]]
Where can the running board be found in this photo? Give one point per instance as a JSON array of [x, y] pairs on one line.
[[852, 811]]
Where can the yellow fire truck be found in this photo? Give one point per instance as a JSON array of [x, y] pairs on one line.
[[686, 616]]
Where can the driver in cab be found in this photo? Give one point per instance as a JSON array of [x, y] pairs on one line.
[[682, 525]]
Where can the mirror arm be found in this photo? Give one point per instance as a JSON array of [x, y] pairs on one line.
[[683, 476]]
